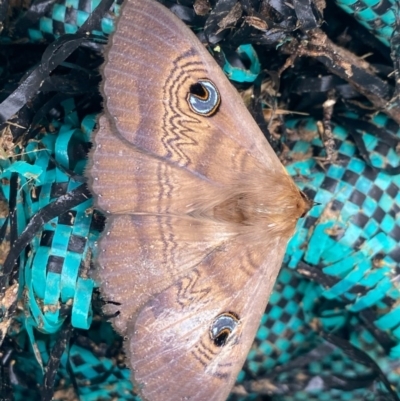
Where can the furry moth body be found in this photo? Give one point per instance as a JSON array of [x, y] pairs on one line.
[[199, 209]]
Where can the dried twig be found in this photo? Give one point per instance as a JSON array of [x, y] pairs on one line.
[[325, 129], [356, 71]]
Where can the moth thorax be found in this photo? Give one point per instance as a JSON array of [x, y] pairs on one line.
[[276, 207]]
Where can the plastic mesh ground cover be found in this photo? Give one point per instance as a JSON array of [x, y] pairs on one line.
[[55, 270], [67, 16], [89, 369], [354, 234], [59, 18], [286, 331], [285, 326], [291, 330], [378, 16]]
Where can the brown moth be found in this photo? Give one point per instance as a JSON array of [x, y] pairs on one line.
[[199, 209]]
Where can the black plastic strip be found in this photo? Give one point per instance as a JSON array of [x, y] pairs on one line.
[[44, 215]]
